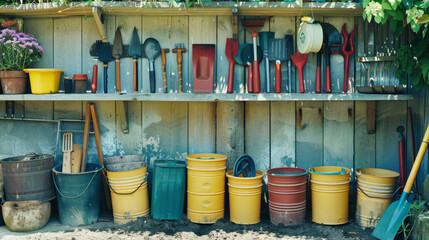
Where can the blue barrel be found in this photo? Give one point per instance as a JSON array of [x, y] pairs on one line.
[[78, 195], [168, 189]]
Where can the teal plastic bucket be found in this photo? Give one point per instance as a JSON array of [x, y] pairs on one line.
[[78, 195], [168, 189]]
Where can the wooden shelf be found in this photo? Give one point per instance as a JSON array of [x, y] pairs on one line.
[[213, 97], [173, 8]]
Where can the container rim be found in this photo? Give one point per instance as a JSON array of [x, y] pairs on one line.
[[9, 159], [43, 70], [269, 172], [99, 168]]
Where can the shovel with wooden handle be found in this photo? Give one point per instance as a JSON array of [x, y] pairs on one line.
[[398, 210], [135, 51], [117, 54]]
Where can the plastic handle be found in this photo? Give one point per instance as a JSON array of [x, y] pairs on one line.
[[319, 73], [255, 78], [179, 66], [346, 73], [289, 69], [267, 70], [152, 77], [401, 162], [105, 77], [230, 77], [249, 79], [135, 76], [94, 78], [278, 83], [328, 72], [301, 79], [118, 75]]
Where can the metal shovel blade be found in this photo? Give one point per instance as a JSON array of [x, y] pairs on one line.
[[277, 49], [117, 45], [264, 38], [392, 219], [151, 48], [135, 48]]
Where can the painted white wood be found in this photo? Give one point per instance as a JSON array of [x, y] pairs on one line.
[[178, 34], [224, 31], [202, 127], [131, 142], [364, 142], [282, 134], [42, 30]]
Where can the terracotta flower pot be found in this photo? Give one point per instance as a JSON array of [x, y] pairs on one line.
[[13, 82]]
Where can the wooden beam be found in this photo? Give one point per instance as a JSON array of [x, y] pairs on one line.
[[97, 17]]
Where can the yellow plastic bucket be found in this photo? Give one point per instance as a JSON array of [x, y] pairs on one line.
[[330, 195], [374, 194], [206, 187], [129, 194], [245, 198], [43, 80]]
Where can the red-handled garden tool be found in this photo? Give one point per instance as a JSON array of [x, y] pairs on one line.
[[347, 50], [277, 51], [299, 60], [94, 51], [253, 26], [397, 211], [229, 53], [331, 39], [117, 54]]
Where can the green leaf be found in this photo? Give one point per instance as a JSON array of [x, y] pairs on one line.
[[365, 3], [395, 5], [425, 30], [423, 19], [416, 77], [425, 66], [369, 18], [399, 15], [409, 19], [415, 27], [384, 19], [377, 19], [364, 15], [386, 6]]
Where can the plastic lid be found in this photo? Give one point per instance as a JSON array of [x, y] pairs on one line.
[[80, 77]]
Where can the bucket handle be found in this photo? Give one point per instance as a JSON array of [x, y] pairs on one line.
[[141, 184], [78, 196], [391, 196]]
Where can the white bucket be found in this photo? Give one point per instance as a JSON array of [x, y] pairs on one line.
[[310, 37]]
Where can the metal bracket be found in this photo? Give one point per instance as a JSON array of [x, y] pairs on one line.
[[122, 115], [96, 11]]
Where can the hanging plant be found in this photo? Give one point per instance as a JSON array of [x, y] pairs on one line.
[[411, 60]]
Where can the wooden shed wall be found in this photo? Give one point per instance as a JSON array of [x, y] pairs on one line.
[[275, 134]]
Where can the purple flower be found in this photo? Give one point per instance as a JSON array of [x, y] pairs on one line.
[[30, 50]]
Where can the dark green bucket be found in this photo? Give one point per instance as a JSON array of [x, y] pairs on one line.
[[168, 189], [78, 195]]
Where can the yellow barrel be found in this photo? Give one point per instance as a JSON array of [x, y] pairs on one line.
[[206, 187], [374, 194], [129, 194], [330, 195], [245, 198]]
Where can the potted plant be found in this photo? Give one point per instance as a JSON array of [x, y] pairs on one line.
[[17, 51]]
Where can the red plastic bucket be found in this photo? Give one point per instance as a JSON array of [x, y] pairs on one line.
[[287, 189]]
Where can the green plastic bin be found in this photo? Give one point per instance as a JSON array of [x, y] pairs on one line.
[[168, 189]]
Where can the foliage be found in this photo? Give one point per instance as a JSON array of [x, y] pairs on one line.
[[407, 225], [401, 14], [18, 50]]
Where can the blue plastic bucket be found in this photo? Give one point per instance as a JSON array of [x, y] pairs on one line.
[[78, 195]]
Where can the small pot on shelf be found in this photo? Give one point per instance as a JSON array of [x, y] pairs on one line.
[[13, 82]]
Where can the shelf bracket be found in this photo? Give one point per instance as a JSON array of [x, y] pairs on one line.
[[122, 115], [96, 11]]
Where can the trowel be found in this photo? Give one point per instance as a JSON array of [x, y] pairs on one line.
[[135, 51]]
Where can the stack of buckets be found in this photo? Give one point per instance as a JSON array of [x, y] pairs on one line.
[[206, 187], [287, 188], [127, 179], [376, 188], [330, 195]]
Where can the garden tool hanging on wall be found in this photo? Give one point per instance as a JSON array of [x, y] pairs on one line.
[[347, 49]]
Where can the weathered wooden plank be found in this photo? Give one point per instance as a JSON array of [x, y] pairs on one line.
[[257, 133], [360, 52], [202, 30], [337, 60], [364, 142], [282, 26], [68, 45], [131, 142], [202, 127], [309, 134], [2, 109], [127, 24], [39, 110], [89, 36], [389, 116], [68, 110], [338, 134], [157, 27], [42, 30], [282, 134], [178, 33], [230, 131], [165, 130], [224, 31], [419, 109]]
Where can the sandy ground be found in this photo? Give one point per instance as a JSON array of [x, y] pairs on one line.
[[148, 228]]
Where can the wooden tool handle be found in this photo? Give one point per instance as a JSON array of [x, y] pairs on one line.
[[100, 153], [164, 72], [249, 79], [94, 78], [85, 137], [278, 81], [118, 75], [179, 66]]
